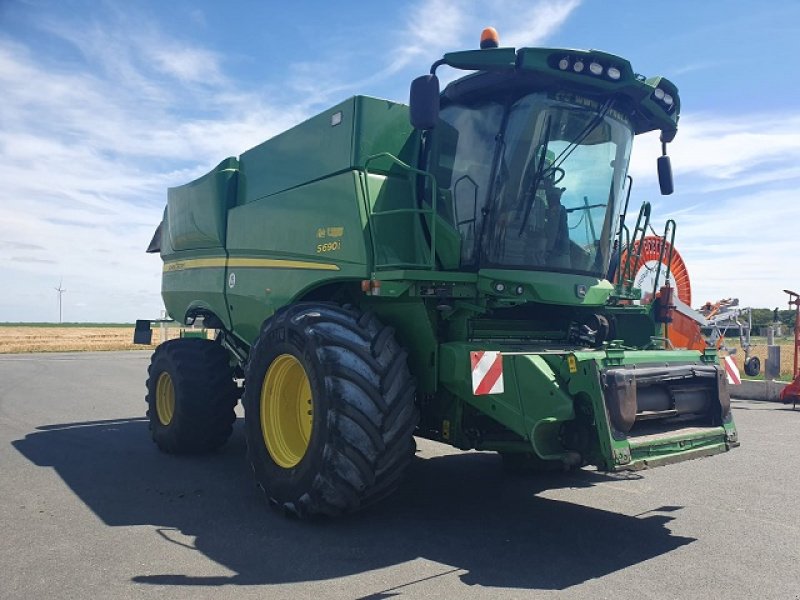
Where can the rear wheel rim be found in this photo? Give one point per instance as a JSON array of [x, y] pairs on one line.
[[165, 398], [286, 411]]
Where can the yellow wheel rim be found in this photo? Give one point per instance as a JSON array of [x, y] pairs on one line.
[[287, 411], [165, 398]]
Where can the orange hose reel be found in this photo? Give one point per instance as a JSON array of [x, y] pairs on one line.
[[651, 252], [683, 331]]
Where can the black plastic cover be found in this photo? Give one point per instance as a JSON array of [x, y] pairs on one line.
[[143, 334]]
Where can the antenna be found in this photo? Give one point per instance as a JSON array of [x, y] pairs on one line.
[[60, 291]]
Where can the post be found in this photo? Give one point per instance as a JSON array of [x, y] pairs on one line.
[[163, 328], [772, 368]]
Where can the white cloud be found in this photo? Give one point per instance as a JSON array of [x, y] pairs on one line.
[[432, 28], [532, 24], [727, 151], [87, 150], [735, 202], [741, 247]]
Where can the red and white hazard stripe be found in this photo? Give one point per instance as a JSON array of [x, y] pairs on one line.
[[732, 371], [487, 372]]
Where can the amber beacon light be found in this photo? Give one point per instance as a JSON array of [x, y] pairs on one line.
[[489, 38]]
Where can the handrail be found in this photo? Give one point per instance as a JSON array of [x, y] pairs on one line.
[[664, 242], [432, 211], [635, 249]]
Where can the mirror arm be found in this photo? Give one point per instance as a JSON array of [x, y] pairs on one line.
[[436, 65]]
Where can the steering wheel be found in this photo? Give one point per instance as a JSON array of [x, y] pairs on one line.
[[555, 174]]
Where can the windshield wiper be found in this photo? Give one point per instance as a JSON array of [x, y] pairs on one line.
[[542, 172], [530, 195], [590, 127]]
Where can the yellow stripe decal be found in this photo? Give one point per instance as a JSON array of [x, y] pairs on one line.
[[263, 263]]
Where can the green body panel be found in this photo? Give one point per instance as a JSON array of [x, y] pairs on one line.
[[548, 288], [197, 211], [187, 288], [313, 223], [544, 62], [399, 240], [339, 139], [318, 221], [634, 324], [532, 396]]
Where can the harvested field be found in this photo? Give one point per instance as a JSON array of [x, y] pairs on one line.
[[15, 339]]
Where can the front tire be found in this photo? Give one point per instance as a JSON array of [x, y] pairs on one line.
[[329, 410], [191, 396]]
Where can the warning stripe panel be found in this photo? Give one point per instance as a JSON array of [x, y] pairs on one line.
[[732, 371], [487, 372]]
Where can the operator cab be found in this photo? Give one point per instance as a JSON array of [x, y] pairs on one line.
[[534, 177], [530, 153]]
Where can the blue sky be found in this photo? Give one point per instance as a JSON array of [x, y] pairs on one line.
[[106, 104]]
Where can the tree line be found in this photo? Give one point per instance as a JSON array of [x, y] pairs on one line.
[[765, 316]]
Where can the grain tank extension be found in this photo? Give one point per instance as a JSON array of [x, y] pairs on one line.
[[442, 270]]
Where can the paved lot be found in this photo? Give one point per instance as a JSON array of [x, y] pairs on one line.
[[90, 508]]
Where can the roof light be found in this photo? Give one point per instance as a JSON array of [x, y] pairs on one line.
[[614, 73], [563, 64], [659, 93], [578, 66], [596, 68], [489, 38]]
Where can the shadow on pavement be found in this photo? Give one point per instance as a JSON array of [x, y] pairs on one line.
[[460, 510]]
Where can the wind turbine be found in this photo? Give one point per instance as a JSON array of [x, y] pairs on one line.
[[60, 291]]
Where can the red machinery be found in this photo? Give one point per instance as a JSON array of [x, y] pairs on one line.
[[791, 393]]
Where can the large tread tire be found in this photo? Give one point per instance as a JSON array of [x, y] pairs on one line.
[[363, 417], [203, 396]]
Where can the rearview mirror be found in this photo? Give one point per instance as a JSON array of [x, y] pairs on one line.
[[665, 175], [424, 102]]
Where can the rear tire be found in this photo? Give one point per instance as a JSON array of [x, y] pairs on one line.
[[329, 410], [191, 396]]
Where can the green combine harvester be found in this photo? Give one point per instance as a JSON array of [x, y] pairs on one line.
[[443, 270]]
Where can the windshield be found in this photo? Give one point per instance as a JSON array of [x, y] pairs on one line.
[[535, 183]]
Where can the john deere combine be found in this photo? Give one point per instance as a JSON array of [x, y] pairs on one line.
[[440, 270]]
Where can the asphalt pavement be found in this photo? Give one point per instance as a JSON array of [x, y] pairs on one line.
[[90, 508]]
